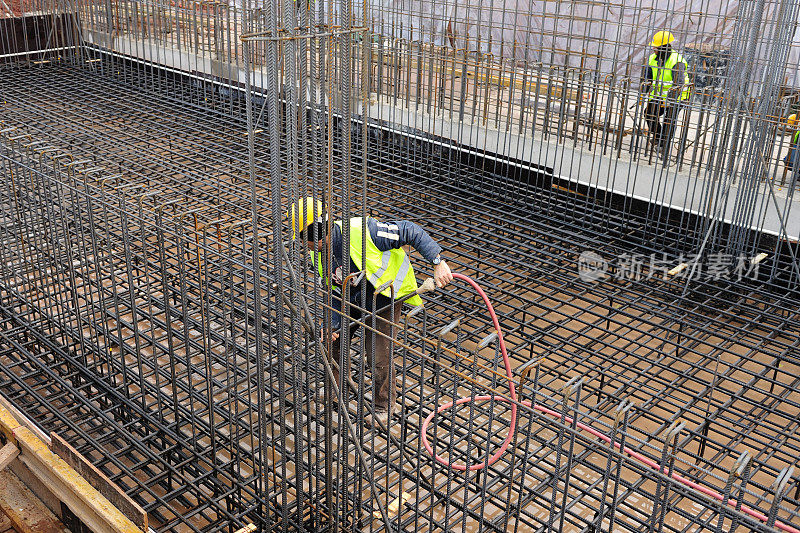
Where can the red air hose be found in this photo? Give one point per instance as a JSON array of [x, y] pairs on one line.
[[512, 399]]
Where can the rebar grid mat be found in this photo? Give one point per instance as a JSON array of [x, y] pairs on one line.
[[129, 326]]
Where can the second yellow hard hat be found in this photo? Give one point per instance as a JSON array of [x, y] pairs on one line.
[[661, 38]]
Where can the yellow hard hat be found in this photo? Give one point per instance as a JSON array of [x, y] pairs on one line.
[[792, 120], [661, 38], [309, 210]]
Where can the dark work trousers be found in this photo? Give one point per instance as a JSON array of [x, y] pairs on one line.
[[380, 343], [662, 132]]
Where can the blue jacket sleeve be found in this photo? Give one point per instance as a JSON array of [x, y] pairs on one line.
[[398, 233]]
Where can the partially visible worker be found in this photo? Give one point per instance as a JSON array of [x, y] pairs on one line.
[[792, 159], [666, 83], [386, 266]]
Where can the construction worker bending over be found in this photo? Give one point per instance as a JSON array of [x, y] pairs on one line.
[[792, 159], [385, 265], [666, 83]]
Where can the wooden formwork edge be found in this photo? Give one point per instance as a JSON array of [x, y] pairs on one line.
[[83, 499], [8, 423]]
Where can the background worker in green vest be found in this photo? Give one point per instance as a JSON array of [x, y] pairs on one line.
[[792, 159], [385, 262], [666, 83]]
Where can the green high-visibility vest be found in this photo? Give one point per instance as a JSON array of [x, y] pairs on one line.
[[795, 137], [381, 267], [662, 76]]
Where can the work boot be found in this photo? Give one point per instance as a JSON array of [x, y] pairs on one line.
[[655, 146], [379, 421], [381, 418], [666, 155]]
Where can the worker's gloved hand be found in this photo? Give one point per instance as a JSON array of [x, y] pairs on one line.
[[333, 336], [442, 275]]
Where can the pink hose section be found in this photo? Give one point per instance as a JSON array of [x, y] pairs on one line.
[[567, 420]]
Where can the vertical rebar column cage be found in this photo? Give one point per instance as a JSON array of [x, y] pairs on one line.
[[309, 99]]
